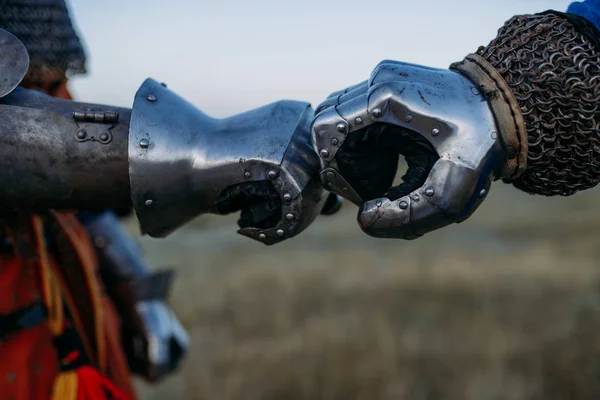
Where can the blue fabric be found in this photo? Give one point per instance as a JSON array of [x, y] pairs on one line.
[[589, 9], [88, 217]]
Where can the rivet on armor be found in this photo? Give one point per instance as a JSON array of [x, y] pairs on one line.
[[163, 84], [149, 203], [330, 175], [376, 112], [287, 197], [435, 132], [415, 197], [262, 236], [290, 216], [494, 135], [272, 174], [379, 203], [151, 97], [334, 141], [324, 153], [358, 121], [341, 127], [483, 192], [345, 189], [403, 205], [144, 143], [429, 192], [81, 133], [104, 137], [475, 91], [408, 118], [247, 174], [280, 232]]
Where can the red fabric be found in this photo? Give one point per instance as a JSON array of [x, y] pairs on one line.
[[93, 386], [28, 361], [115, 363]]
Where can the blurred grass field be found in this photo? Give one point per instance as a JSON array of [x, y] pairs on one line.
[[503, 306]]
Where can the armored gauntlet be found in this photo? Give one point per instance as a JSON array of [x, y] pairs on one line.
[[166, 158], [523, 109], [549, 64]]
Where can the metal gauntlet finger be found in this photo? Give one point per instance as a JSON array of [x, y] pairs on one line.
[[391, 71], [451, 193], [330, 129], [338, 97]]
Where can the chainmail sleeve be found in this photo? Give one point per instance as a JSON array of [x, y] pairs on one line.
[[551, 64], [46, 29]]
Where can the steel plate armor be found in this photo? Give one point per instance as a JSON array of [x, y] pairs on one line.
[[443, 107], [181, 160], [523, 109], [153, 338], [13, 63], [167, 158], [46, 30]]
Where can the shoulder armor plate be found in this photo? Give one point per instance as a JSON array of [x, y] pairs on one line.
[[14, 62]]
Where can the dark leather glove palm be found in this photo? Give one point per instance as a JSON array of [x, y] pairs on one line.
[[369, 158]]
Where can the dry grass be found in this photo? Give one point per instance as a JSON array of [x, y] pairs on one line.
[[506, 306]]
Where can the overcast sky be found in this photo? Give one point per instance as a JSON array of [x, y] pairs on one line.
[[228, 56]]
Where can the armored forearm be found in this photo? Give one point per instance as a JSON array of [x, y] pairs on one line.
[[544, 71], [164, 157], [152, 336], [523, 109], [62, 154]]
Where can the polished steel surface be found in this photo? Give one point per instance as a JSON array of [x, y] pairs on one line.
[[181, 161], [119, 256], [50, 160], [14, 62], [160, 350], [154, 338], [47, 31], [442, 106]]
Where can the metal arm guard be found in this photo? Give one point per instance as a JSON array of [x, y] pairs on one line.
[[164, 156], [153, 338], [51, 159], [177, 152], [550, 65]]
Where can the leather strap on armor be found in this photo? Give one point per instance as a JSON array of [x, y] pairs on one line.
[[505, 107], [552, 66], [24, 318]]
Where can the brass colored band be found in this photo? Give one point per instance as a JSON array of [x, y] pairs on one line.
[[504, 106]]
